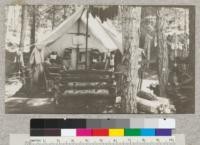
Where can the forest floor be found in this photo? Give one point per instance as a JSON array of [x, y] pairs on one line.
[[45, 105], [19, 101]]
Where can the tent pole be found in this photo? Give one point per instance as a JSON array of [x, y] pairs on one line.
[[77, 48], [86, 41]]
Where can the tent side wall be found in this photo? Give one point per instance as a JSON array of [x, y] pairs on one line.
[[64, 41]]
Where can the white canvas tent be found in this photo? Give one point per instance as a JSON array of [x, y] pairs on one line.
[[102, 36]]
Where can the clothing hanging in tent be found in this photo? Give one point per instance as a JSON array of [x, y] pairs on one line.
[[104, 12]]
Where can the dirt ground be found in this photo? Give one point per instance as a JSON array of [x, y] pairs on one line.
[[19, 101], [43, 103]]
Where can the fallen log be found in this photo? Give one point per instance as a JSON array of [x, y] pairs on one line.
[[86, 72], [85, 79], [90, 92], [147, 106], [162, 100], [145, 95], [86, 87], [161, 105], [89, 84], [85, 75]]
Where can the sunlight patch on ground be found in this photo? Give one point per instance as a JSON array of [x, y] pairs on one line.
[[146, 83], [30, 102], [17, 100], [39, 102], [12, 87]]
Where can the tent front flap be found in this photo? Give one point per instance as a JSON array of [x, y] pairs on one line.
[[113, 33], [98, 31]]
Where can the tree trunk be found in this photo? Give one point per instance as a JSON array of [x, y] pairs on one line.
[[130, 26], [64, 12], [23, 34], [192, 40], [33, 27], [53, 17], [192, 51], [163, 70]]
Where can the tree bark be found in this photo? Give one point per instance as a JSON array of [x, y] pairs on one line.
[[23, 34], [130, 26], [192, 40], [163, 70], [33, 27]]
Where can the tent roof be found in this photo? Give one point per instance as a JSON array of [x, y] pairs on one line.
[[62, 28], [105, 33]]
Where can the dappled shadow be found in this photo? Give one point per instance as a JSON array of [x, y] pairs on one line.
[[70, 105], [28, 105], [85, 105]]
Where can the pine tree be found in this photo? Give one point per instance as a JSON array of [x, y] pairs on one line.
[[23, 34], [131, 17], [163, 70], [33, 26]]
